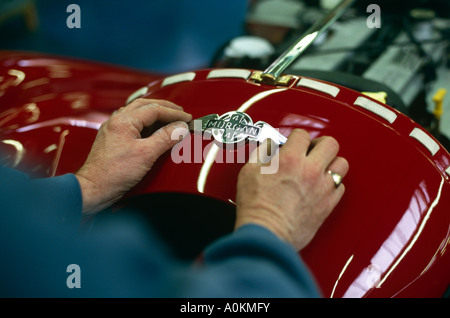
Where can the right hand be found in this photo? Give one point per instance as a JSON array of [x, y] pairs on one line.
[[295, 201]]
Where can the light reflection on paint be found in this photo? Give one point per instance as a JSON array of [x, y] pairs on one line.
[[59, 148], [399, 242], [206, 167], [37, 82], [257, 98], [93, 121], [31, 109], [313, 124], [20, 150], [20, 76], [212, 153], [34, 111], [305, 121], [340, 274], [50, 148], [78, 100], [59, 71]]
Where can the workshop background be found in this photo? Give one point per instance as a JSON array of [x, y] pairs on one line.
[[407, 56]]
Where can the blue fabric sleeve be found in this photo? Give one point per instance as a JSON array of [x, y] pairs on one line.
[[251, 262], [60, 197], [57, 198], [287, 274], [123, 258]]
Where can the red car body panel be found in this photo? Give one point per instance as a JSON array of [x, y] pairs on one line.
[[389, 235]]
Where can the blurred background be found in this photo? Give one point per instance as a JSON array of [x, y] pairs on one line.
[[406, 56], [157, 35]]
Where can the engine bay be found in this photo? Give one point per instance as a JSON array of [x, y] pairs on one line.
[[394, 52]]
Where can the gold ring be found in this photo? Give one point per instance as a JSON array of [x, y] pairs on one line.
[[337, 178]]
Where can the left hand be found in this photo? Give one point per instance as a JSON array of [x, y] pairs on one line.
[[121, 156]]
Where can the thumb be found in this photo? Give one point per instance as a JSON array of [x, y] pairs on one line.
[[166, 137]]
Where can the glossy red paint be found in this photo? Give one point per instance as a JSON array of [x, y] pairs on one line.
[[54, 107], [389, 235]]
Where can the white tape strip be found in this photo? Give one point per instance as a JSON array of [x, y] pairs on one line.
[[140, 92], [319, 86], [376, 108], [425, 140], [183, 77], [232, 72]]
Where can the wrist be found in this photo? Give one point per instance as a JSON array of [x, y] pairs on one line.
[[258, 217], [89, 195]]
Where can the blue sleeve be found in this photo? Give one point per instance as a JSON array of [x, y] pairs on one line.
[[123, 257], [57, 198], [258, 258], [250, 262]]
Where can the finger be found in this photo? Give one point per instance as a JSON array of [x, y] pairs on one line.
[[336, 196], [146, 101], [335, 193], [117, 111], [315, 141], [297, 143], [264, 152], [147, 115], [324, 150], [165, 138], [339, 165], [253, 158]]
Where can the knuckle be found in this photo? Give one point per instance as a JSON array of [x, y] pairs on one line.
[[332, 143], [151, 106], [141, 101], [303, 133], [344, 164], [314, 170], [156, 108], [289, 160], [114, 121]]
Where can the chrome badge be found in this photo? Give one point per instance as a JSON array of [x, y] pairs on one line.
[[234, 127]]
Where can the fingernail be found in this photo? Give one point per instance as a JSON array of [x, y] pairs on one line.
[[180, 130], [180, 124]]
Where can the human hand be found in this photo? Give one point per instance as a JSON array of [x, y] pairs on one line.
[[122, 155], [295, 201]]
